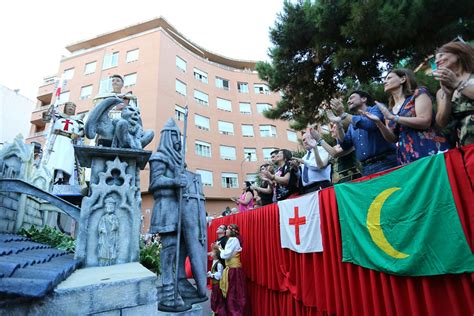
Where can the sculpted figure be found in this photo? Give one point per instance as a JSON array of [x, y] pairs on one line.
[[167, 180], [60, 159], [108, 234], [125, 132]]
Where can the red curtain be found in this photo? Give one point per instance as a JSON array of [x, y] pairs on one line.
[[282, 282]]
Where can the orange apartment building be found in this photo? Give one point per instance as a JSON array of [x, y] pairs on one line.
[[166, 71]]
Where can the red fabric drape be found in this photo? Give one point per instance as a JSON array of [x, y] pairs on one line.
[[282, 282]]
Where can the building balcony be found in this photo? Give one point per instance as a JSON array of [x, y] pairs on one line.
[[38, 137], [45, 92], [37, 115]]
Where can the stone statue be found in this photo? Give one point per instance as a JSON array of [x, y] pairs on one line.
[[108, 234], [60, 159], [125, 132], [169, 181]]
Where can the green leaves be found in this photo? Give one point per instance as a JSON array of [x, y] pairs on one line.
[[50, 236], [320, 45], [150, 256]]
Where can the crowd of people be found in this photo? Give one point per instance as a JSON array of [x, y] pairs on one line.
[[372, 137]]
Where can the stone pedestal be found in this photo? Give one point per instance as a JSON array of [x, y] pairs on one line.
[[110, 221]]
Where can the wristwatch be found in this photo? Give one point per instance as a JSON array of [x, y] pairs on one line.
[[396, 118], [320, 141], [344, 115]]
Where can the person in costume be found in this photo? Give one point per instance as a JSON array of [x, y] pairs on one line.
[[217, 267], [67, 128], [232, 282]]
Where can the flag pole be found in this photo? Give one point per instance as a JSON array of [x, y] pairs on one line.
[[52, 111]]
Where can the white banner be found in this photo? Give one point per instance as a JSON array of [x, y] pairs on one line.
[[300, 228]]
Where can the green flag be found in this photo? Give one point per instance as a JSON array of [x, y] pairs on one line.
[[404, 222]]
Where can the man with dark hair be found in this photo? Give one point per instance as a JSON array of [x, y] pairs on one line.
[[372, 150], [273, 155]]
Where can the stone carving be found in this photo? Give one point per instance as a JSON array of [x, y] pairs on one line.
[[109, 227], [168, 182], [108, 234], [125, 132], [17, 160]]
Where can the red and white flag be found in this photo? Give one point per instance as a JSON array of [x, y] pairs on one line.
[[300, 228]]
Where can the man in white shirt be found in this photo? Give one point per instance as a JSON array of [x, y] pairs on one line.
[[315, 168]]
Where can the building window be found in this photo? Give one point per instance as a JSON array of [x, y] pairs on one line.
[[90, 68], [179, 113], [130, 80], [243, 87], [180, 64], [250, 152], [86, 92], [201, 122], [201, 97], [180, 87], [222, 83], [267, 131], [267, 153], [110, 60], [225, 128], [132, 55], [247, 130], [245, 108], [68, 74], [206, 177], [223, 104], [200, 75], [229, 180], [202, 149], [64, 97], [251, 177], [292, 136], [262, 107], [227, 153], [261, 88], [105, 85]]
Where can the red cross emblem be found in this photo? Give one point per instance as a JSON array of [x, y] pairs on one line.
[[66, 124], [297, 221]]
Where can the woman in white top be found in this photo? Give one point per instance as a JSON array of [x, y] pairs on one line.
[[232, 282]]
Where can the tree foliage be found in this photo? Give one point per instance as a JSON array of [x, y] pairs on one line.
[[322, 48]]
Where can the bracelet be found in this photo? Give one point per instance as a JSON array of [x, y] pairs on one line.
[[462, 86]]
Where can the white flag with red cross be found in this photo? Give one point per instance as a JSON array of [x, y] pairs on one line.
[[300, 228]]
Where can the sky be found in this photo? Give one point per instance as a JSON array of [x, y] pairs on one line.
[[35, 33]]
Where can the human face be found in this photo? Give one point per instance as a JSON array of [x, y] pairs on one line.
[[228, 232], [69, 109], [279, 156], [447, 60], [305, 141], [221, 230], [393, 82], [273, 156], [355, 102], [117, 84]]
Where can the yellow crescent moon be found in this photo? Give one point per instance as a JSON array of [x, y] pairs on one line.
[[374, 227]]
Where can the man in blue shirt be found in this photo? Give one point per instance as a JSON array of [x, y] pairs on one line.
[[372, 150]]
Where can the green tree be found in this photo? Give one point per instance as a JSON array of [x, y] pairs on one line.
[[323, 48]]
